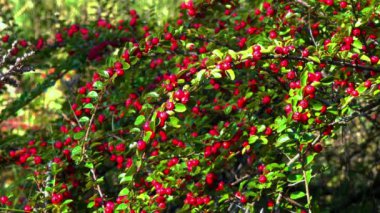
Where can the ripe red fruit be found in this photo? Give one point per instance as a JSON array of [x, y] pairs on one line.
[[284, 63], [141, 145], [56, 199], [210, 179], [268, 131], [329, 2], [317, 148], [355, 93], [304, 104], [27, 209], [272, 34], [168, 36], [356, 32], [118, 65], [5, 38], [374, 59], [243, 199], [309, 89], [291, 75], [119, 72], [262, 179], [343, 4], [368, 83], [3, 200], [266, 100], [155, 41]]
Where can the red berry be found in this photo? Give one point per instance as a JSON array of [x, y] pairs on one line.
[[355, 93], [155, 41], [329, 2], [304, 104], [374, 59], [27, 209], [262, 179], [272, 34], [309, 89], [367, 83], [210, 178], [266, 100], [317, 148], [118, 65], [141, 145], [343, 4]]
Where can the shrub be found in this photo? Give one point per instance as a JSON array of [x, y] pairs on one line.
[[222, 110]]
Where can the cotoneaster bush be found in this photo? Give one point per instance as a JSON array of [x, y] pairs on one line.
[[222, 110]]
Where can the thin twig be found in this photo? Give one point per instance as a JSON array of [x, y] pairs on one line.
[[336, 62], [291, 201], [307, 189], [303, 3], [97, 185], [240, 180], [309, 27]]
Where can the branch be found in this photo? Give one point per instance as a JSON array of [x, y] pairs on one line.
[[97, 185], [303, 3], [326, 61], [357, 113], [306, 188], [240, 180]]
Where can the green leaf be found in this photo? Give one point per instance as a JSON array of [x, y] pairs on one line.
[[90, 204], [216, 73], [147, 135], [92, 94], [357, 44], [316, 105], [231, 74], [89, 165], [228, 109], [89, 106], [121, 206], [124, 191], [98, 85], [180, 107], [79, 135], [304, 77], [252, 139], [248, 95], [361, 89], [218, 53], [66, 202], [126, 66], [310, 158], [84, 119], [297, 195], [173, 121], [282, 139], [76, 151], [280, 123], [294, 178], [315, 59], [104, 74], [139, 120], [365, 58], [233, 54], [261, 128], [152, 94], [127, 178]]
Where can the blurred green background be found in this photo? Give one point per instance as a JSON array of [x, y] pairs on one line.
[[41, 17]]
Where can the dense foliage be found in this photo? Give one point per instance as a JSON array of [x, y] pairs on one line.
[[222, 110]]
